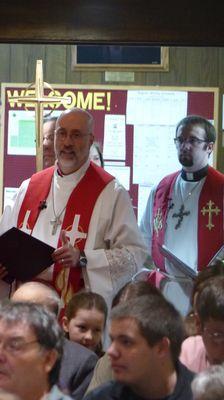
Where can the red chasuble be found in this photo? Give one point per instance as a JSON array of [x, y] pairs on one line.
[[210, 217], [80, 203]]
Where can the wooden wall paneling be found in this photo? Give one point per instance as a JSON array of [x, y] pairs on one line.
[[176, 76], [220, 63], [5, 53], [152, 78], [18, 63], [141, 78], [23, 61], [193, 68], [55, 64], [33, 54], [187, 66], [91, 77], [209, 66], [71, 76], [202, 68]]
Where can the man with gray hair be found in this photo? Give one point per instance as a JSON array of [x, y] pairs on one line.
[[77, 362], [83, 212], [31, 346], [209, 384], [146, 335]]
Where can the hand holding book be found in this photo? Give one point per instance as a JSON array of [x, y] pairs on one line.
[[23, 256]]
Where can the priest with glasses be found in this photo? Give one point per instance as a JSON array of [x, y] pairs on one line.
[[185, 211]]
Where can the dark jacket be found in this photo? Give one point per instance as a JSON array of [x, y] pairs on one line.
[[77, 367], [116, 391]]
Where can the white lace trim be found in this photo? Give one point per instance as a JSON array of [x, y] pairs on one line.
[[122, 266]]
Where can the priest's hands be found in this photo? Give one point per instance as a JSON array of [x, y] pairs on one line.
[[66, 255]]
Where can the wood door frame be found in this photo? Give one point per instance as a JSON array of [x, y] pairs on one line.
[[163, 23]]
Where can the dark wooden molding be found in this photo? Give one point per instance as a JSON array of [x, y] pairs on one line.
[[170, 23]]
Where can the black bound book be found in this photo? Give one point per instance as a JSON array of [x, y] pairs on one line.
[[23, 255]]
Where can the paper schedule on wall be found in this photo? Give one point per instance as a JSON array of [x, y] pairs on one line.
[[135, 127]]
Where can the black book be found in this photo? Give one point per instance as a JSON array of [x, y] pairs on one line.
[[23, 255]]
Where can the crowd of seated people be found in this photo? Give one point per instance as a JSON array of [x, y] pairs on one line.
[[151, 353]]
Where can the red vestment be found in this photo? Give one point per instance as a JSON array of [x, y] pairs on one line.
[[80, 203]]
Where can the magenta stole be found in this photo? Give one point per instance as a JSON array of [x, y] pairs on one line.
[[209, 240]]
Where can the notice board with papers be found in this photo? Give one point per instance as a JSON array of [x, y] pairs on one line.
[[135, 126]]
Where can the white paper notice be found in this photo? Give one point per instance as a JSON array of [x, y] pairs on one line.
[[114, 146], [9, 195], [143, 195], [21, 133], [154, 153], [122, 173], [156, 107]]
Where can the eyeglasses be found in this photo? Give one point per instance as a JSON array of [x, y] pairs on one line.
[[74, 136], [194, 141], [15, 346], [216, 337]]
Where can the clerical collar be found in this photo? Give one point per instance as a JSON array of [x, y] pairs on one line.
[[81, 171], [59, 171], [194, 176]]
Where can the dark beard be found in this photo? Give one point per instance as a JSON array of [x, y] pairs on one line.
[[186, 160]]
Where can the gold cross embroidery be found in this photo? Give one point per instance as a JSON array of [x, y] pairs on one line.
[[210, 210], [158, 221]]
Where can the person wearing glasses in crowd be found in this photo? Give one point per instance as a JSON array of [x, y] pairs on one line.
[[48, 141], [185, 211], [77, 362], [83, 212], [207, 348], [31, 348]]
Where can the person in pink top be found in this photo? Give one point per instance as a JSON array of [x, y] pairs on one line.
[[200, 351]]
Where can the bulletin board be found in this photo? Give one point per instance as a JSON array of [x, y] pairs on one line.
[[135, 125]]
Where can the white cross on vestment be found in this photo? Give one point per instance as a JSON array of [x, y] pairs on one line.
[[74, 233]]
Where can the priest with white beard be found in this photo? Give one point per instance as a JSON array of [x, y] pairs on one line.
[[82, 211]]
